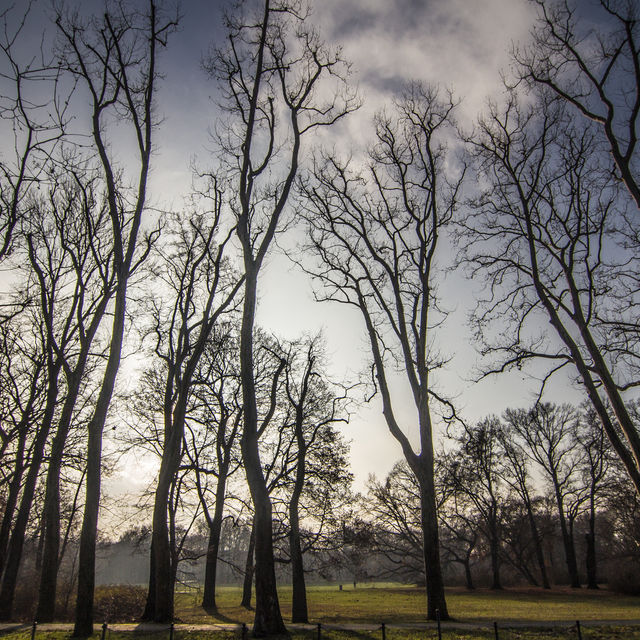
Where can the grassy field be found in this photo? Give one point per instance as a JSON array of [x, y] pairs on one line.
[[588, 633], [395, 604], [548, 615]]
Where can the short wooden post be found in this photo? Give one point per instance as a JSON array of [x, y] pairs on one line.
[[34, 626], [104, 630], [319, 631], [495, 630], [384, 631], [244, 631], [579, 629], [171, 631], [439, 626]]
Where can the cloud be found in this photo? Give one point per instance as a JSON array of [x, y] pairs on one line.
[[459, 44]]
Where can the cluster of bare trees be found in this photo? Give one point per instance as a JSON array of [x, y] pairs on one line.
[[550, 225], [77, 234], [521, 493]]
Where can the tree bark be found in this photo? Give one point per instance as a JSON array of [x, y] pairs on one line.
[[247, 583], [537, 543], [494, 544], [268, 619], [215, 530], [591, 561], [567, 541], [299, 612], [436, 602]]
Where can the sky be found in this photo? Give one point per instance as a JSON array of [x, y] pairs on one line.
[[462, 45]]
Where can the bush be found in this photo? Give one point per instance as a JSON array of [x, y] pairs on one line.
[[624, 577], [120, 603]]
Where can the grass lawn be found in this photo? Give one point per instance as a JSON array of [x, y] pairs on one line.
[[399, 604], [606, 633]]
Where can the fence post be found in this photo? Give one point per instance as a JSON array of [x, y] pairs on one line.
[[438, 621], [319, 631], [244, 631], [104, 630], [33, 629], [579, 629], [384, 631], [171, 631], [495, 630]]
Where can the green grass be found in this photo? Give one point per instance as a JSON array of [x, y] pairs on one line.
[[605, 633], [397, 604]]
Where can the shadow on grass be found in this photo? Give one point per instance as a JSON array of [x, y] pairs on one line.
[[15, 628], [220, 617]]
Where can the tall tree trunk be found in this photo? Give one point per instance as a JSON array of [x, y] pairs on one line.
[[268, 619], [215, 530], [83, 626], [537, 545], [494, 544], [468, 578], [51, 512], [16, 544], [436, 603], [163, 596], [12, 498], [592, 576], [150, 604], [299, 612], [567, 541], [247, 583]]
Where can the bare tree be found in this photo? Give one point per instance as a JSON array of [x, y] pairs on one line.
[[376, 251], [517, 474], [596, 466], [473, 469], [200, 290], [316, 408], [547, 431], [211, 441], [395, 504], [113, 59], [542, 233], [595, 69], [274, 76]]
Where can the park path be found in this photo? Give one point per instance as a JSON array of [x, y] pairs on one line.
[[152, 627]]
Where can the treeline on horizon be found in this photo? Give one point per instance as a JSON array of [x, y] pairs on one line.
[[541, 200]]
